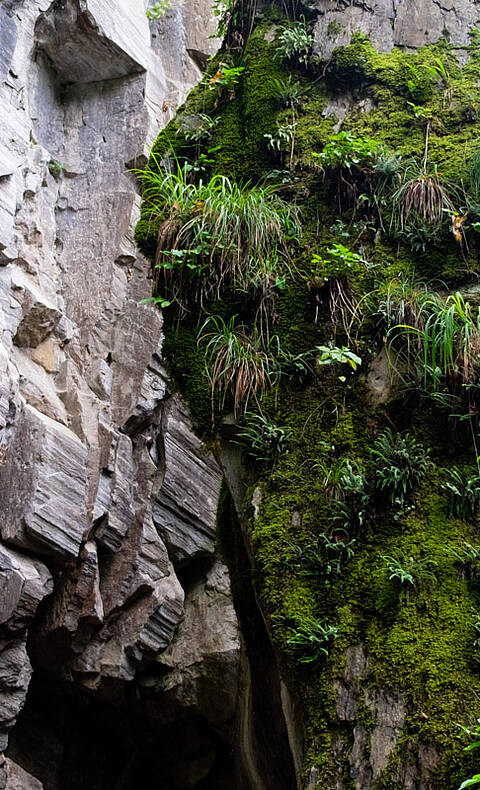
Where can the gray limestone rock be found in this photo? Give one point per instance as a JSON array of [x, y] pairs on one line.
[[203, 658], [85, 420], [13, 777], [184, 514], [23, 584], [45, 484], [390, 23]]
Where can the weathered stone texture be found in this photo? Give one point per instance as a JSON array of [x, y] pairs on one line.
[[389, 23], [185, 516], [23, 584], [89, 434], [13, 777]]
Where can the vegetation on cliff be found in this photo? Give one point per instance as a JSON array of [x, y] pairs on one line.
[[319, 281]]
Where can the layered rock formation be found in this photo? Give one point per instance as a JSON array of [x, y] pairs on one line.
[[107, 497]]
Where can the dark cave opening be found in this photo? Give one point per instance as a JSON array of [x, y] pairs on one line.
[[72, 740]]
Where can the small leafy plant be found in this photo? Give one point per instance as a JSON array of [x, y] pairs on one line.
[[330, 355], [338, 260], [475, 734], [281, 139], [467, 557], [56, 169], [201, 128], [224, 11], [160, 9], [295, 42], [288, 91], [351, 507], [408, 572], [463, 493], [401, 462], [226, 77], [314, 640], [323, 557], [264, 440], [344, 150]]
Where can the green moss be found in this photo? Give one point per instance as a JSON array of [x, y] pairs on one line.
[[186, 364], [420, 648], [260, 100]]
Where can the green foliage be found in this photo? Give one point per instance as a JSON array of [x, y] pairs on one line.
[[463, 493], [401, 303], [288, 90], [202, 128], [400, 571], [313, 640], [409, 572], [281, 139], [339, 260], [422, 650], [473, 175], [216, 233], [446, 353], [401, 462], [467, 557], [323, 557], [264, 440], [56, 169], [295, 42], [225, 77], [236, 362], [224, 11], [330, 355], [423, 78], [294, 368], [160, 9], [344, 150], [422, 201], [475, 734]]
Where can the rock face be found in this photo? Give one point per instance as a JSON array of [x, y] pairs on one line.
[[23, 585], [101, 476], [390, 23]]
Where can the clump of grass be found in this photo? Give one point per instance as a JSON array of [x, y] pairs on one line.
[[295, 42], [313, 640], [463, 494], [216, 234], [467, 558], [447, 353], [473, 175], [422, 201], [264, 440], [408, 573], [236, 362]]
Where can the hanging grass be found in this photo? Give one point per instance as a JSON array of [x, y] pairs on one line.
[[236, 363], [447, 351], [217, 234], [422, 199], [473, 175]]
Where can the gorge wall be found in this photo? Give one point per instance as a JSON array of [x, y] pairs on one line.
[[108, 500], [122, 664]]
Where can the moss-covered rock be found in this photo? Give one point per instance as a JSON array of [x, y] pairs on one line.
[[418, 661]]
